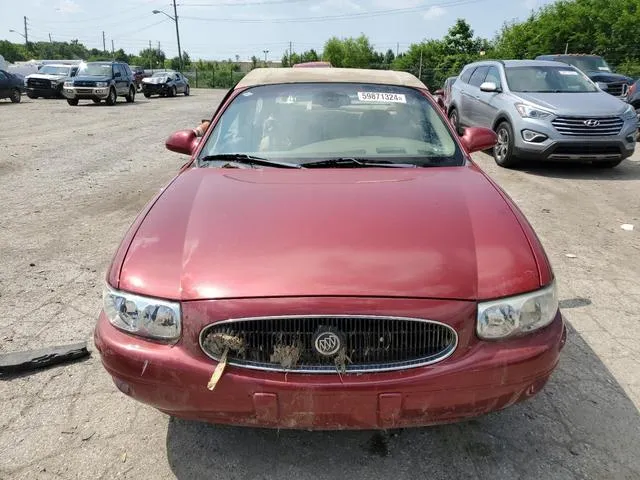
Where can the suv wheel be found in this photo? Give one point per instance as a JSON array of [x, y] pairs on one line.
[[16, 96], [174, 91], [132, 95], [503, 151], [455, 120], [187, 91], [72, 101], [111, 99]]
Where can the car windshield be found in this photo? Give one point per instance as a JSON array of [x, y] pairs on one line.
[[95, 70], [160, 74], [548, 79], [53, 70], [587, 64], [305, 122]]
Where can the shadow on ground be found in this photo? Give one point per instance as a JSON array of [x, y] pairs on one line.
[[582, 425], [627, 170]]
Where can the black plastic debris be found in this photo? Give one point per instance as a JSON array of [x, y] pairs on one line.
[[19, 362]]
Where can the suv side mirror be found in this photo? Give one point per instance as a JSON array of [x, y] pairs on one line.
[[182, 141], [478, 139], [117, 75], [490, 87]]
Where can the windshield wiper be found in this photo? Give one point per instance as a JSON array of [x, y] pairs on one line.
[[355, 162], [248, 159]]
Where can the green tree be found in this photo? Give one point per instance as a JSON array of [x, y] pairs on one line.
[[349, 52]]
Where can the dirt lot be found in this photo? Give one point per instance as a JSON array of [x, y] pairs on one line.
[[72, 180]]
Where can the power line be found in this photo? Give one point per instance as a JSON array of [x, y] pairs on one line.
[[241, 4]]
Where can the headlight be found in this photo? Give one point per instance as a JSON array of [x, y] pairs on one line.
[[630, 113], [101, 84], [527, 111], [68, 84], [147, 317], [519, 315]]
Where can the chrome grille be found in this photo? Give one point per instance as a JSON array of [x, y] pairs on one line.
[[367, 343], [84, 83], [617, 89], [588, 126]]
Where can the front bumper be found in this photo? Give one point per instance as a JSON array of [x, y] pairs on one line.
[[86, 92], [44, 92], [479, 378], [155, 89], [558, 147]]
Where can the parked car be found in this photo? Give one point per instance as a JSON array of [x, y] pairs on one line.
[[390, 283], [443, 95], [99, 81], [138, 75], [544, 111], [11, 86], [633, 98], [165, 84], [597, 69], [49, 80]]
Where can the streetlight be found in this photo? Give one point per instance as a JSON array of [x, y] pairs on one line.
[[21, 34], [175, 19]]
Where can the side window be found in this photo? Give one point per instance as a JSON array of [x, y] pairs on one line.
[[127, 70], [494, 76], [74, 71], [2, 76], [478, 76], [466, 75]]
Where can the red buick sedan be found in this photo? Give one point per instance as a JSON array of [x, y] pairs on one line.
[[330, 258]]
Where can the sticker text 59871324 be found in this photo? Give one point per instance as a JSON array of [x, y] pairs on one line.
[[382, 97]]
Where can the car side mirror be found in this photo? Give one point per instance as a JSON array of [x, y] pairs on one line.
[[603, 86], [479, 139], [117, 75], [490, 87], [182, 141]]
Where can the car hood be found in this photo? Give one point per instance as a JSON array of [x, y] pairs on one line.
[[89, 78], [46, 76], [607, 77], [578, 104], [430, 233], [155, 80]]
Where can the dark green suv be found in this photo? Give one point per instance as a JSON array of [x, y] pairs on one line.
[[99, 81]]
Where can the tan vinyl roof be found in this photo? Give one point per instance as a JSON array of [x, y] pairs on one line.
[[270, 76]]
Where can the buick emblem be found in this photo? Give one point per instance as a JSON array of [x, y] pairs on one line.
[[592, 123], [327, 343]]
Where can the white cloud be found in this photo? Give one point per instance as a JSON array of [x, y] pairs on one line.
[[434, 12], [68, 6]]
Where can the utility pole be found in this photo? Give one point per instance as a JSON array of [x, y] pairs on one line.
[[26, 32], [104, 42], [397, 49], [420, 69], [50, 41], [175, 17], [290, 54], [112, 49], [566, 48], [150, 56]]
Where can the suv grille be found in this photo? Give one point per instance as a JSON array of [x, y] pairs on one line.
[[39, 83], [84, 83], [588, 126], [352, 344], [618, 89]]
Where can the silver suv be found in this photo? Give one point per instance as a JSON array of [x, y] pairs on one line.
[[543, 110]]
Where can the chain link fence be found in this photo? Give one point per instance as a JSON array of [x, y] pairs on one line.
[[199, 78]]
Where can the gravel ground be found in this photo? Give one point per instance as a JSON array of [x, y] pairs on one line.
[[73, 179]]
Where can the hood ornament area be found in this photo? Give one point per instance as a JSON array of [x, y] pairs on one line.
[[592, 123]]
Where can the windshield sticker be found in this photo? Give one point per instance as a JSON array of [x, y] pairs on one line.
[[382, 97], [568, 72], [604, 69]]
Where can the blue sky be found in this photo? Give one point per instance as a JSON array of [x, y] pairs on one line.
[[219, 29]]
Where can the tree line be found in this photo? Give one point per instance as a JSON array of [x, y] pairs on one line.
[[610, 28]]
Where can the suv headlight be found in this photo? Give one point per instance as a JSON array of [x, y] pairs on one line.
[[101, 84], [68, 84], [518, 315], [527, 111], [143, 316], [630, 113]]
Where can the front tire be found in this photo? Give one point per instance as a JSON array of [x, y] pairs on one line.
[[187, 91], [454, 119], [15, 96], [111, 99], [503, 151], [147, 95], [72, 101], [174, 92], [131, 97]]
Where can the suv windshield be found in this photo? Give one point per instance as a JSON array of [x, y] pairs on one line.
[[95, 70], [52, 70], [548, 80], [586, 64], [299, 123]]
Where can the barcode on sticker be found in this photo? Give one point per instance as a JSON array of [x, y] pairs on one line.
[[382, 97], [568, 72]]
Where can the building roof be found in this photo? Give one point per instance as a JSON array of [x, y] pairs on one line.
[[270, 76]]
